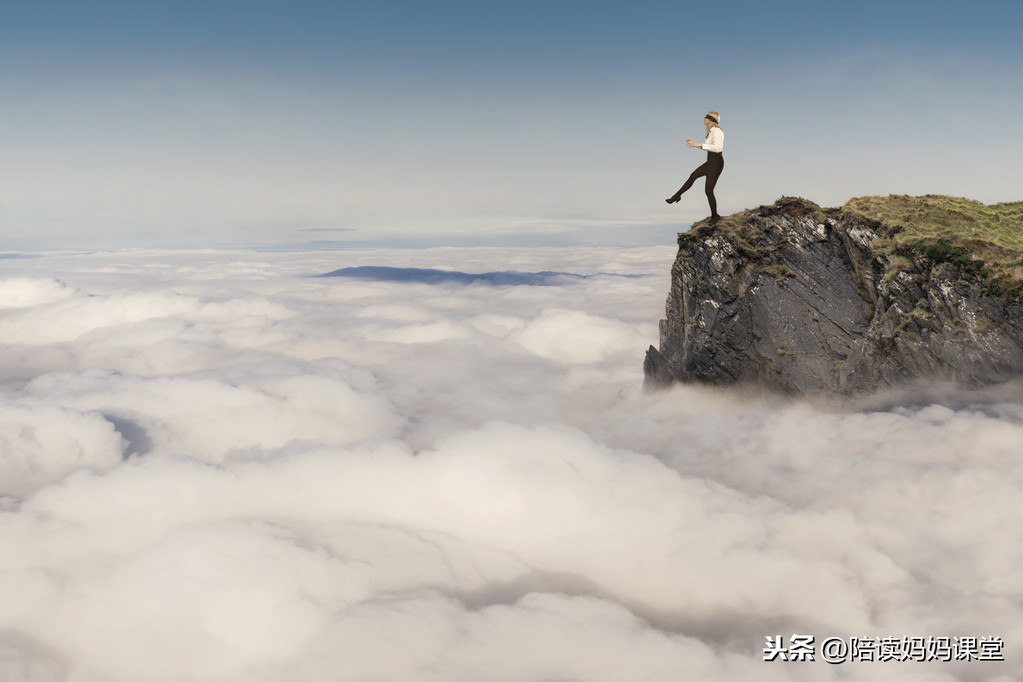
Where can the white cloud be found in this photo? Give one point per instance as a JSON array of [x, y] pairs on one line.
[[573, 336], [18, 292], [223, 472], [43, 444], [211, 416]]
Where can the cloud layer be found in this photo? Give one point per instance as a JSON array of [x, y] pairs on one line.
[[218, 466]]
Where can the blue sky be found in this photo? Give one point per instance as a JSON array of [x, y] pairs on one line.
[[249, 123]]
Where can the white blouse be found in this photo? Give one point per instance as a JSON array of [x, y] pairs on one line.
[[715, 141]]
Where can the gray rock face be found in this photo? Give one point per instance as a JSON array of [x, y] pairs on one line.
[[797, 299]]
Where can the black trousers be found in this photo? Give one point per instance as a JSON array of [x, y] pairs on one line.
[[711, 168]]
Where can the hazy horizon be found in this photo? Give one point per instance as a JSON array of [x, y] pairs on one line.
[[246, 124]]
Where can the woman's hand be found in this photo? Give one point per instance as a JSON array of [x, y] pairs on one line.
[[693, 144]]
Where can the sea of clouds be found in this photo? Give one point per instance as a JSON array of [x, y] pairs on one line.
[[223, 466]]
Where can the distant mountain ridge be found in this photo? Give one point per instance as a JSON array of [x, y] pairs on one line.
[[880, 292]]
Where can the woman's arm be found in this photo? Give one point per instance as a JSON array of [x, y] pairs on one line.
[[716, 143]]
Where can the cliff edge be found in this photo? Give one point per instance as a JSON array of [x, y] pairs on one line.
[[882, 291]]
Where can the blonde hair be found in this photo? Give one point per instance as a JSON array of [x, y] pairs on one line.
[[717, 116]]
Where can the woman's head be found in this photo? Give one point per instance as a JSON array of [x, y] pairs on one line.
[[712, 120]]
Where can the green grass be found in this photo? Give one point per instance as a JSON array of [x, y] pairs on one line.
[[988, 238], [896, 265], [739, 229], [779, 272]]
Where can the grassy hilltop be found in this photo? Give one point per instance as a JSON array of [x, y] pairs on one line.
[[988, 238]]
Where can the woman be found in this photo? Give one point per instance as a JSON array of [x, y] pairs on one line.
[[714, 144]]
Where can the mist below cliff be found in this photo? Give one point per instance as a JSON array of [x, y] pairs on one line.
[[218, 466]]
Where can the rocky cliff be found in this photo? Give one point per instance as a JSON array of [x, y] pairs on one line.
[[804, 300]]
